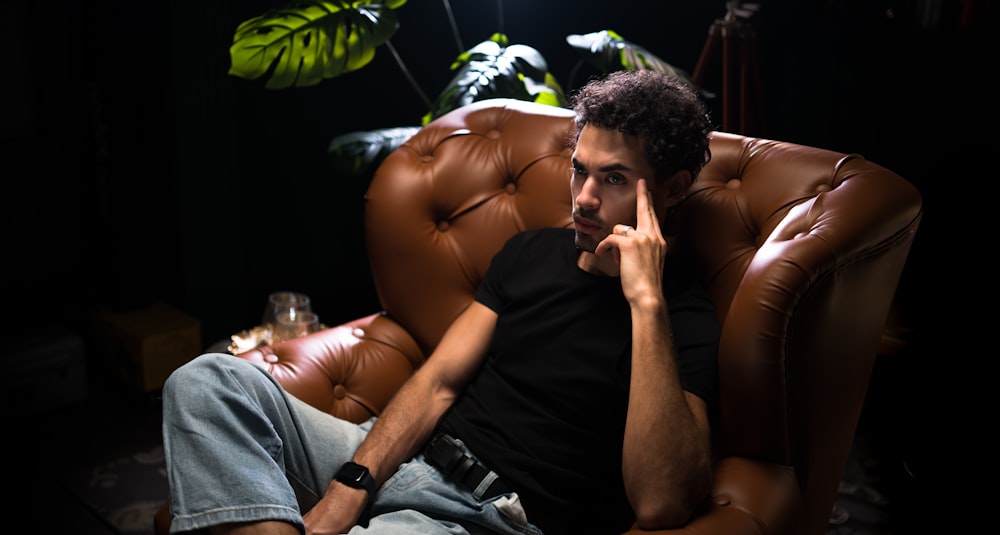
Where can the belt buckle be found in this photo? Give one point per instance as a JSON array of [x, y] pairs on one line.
[[444, 451], [447, 439]]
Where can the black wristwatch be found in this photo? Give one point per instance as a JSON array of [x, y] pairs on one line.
[[356, 476]]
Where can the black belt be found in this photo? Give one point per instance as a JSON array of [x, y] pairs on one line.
[[447, 455]]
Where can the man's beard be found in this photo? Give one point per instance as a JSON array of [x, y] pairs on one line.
[[586, 242]]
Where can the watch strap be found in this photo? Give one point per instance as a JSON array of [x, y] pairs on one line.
[[359, 477]]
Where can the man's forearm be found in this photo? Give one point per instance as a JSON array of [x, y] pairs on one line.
[[403, 427], [666, 457]]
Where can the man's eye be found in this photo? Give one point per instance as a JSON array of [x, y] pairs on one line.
[[616, 179]]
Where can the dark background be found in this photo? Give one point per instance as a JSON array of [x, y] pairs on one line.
[[136, 170]]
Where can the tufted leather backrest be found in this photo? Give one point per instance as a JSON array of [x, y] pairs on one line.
[[444, 203], [801, 249]]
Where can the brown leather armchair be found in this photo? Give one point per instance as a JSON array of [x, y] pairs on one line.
[[802, 249]]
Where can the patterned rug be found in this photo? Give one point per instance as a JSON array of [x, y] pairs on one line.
[[114, 465], [125, 490]]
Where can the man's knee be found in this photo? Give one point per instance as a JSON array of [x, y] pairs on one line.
[[202, 374]]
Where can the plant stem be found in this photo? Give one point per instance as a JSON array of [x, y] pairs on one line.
[[454, 27], [500, 15], [409, 77]]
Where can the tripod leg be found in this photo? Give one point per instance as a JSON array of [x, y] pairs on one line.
[[707, 54]]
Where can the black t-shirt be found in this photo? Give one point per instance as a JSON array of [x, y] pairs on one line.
[[547, 409]]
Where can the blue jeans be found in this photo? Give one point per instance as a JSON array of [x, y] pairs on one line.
[[241, 449]]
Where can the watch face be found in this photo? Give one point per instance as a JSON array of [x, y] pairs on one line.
[[352, 473], [357, 476]]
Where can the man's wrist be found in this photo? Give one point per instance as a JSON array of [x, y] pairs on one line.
[[357, 476]]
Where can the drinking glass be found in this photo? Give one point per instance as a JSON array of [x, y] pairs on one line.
[[290, 326], [282, 304]]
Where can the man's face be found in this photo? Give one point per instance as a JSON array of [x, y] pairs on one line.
[[606, 166]]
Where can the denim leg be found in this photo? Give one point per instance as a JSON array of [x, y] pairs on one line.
[[240, 449], [418, 499]]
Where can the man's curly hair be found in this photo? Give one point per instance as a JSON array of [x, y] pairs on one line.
[[658, 108]]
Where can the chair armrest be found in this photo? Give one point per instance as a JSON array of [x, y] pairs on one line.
[[749, 497], [350, 370]]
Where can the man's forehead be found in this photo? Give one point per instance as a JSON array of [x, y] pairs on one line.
[[609, 150]]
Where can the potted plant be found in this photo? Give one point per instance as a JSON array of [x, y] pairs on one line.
[[309, 41]]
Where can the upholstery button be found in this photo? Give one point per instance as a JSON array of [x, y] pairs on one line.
[[339, 392], [722, 499], [734, 184], [511, 188], [271, 357], [493, 134], [426, 158], [443, 226], [358, 332], [822, 188]]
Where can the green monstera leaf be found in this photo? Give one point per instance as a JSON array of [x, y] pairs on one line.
[[492, 69], [310, 40], [608, 51], [357, 154]]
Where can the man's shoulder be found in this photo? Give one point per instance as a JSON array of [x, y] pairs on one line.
[[540, 241]]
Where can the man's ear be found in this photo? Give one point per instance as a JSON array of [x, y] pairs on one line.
[[677, 187]]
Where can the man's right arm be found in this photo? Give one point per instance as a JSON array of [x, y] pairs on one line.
[[411, 416]]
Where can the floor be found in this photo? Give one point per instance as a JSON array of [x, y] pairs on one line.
[[65, 437], [70, 437]]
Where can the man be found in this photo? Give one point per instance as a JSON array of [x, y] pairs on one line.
[[573, 395]]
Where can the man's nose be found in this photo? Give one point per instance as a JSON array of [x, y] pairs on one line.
[[589, 195]]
